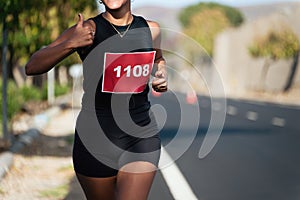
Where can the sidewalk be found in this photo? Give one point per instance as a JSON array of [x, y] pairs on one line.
[[43, 170]]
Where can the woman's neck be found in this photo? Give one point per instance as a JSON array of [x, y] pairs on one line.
[[118, 18], [121, 16]]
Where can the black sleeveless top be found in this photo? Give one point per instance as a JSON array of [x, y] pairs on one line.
[[137, 39]]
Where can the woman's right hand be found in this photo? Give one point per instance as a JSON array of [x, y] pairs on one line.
[[78, 36], [83, 34]]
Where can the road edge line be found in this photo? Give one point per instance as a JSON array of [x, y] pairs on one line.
[[176, 182]]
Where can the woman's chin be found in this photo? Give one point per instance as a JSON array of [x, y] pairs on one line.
[[114, 4]]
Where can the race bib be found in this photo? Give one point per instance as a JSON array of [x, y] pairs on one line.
[[127, 72]]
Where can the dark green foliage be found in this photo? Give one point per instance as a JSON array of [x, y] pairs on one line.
[[58, 90], [14, 99], [35, 23], [17, 97], [30, 93]]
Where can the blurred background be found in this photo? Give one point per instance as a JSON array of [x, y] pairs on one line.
[[252, 46]]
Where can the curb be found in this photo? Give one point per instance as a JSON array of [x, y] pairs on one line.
[[39, 122]]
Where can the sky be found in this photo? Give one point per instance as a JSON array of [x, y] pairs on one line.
[[182, 3]]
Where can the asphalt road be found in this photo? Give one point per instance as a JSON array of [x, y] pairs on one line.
[[256, 156]]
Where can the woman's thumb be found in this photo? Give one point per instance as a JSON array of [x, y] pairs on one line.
[[80, 20]]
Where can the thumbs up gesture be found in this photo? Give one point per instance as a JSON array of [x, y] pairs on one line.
[[83, 33]]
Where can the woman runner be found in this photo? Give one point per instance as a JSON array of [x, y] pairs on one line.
[[115, 107]]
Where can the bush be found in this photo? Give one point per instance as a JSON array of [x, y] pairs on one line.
[[31, 93], [15, 99], [58, 90]]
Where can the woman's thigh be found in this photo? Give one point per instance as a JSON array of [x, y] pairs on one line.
[[98, 188], [134, 180]]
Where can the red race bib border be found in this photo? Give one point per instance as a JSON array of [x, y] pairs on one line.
[[131, 53]]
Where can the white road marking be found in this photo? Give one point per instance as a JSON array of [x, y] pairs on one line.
[[232, 110], [253, 116], [178, 185], [276, 121]]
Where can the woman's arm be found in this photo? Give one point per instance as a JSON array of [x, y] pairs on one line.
[[80, 35], [159, 83]]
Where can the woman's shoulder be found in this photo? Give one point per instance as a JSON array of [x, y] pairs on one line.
[[95, 19], [150, 23], [153, 24], [154, 28]]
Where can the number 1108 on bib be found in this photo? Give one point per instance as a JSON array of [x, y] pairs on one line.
[[136, 71]]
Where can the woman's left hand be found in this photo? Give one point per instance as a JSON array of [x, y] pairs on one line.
[[159, 82]]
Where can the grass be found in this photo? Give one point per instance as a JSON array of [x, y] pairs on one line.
[[70, 139], [2, 191], [57, 193]]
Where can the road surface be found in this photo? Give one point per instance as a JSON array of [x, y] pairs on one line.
[[256, 157]]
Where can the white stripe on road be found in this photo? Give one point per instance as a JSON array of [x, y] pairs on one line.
[[232, 110], [252, 115], [178, 185], [276, 121]]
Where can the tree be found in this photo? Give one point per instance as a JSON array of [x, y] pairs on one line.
[[35, 23], [205, 26], [31, 25], [234, 16], [275, 45], [204, 21]]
